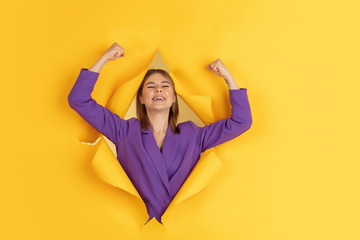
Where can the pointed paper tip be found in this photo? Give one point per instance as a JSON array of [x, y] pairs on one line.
[[158, 62]]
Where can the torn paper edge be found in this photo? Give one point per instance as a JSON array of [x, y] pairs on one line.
[[94, 143]]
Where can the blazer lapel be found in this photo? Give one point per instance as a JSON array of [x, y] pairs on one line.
[[155, 156], [168, 150]]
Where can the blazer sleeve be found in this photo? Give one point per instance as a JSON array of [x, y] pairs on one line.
[[102, 119], [226, 129]]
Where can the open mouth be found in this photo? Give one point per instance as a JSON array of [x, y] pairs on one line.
[[158, 99]]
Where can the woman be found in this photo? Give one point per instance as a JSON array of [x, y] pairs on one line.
[[156, 153]]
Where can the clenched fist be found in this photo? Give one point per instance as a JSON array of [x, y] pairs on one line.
[[114, 52], [218, 67]]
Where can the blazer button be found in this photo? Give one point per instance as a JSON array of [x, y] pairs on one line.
[[167, 203]]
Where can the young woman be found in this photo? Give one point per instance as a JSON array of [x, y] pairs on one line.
[[156, 153]]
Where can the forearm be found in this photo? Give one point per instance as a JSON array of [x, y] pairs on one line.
[[230, 81], [100, 63]]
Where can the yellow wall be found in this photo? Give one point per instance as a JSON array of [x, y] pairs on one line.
[[293, 175]]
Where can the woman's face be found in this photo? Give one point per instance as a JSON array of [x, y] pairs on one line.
[[157, 93]]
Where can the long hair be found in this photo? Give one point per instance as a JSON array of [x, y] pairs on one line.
[[141, 109]]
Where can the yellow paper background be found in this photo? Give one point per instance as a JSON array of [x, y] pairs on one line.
[[293, 175]]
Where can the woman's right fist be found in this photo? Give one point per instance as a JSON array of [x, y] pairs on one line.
[[114, 52]]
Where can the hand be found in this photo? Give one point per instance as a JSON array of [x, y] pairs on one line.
[[219, 69], [114, 52]]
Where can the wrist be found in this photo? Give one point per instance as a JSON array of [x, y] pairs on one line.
[[230, 81]]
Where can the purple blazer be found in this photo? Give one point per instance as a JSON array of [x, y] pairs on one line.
[[156, 175]]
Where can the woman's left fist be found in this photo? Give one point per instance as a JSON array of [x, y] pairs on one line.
[[219, 68]]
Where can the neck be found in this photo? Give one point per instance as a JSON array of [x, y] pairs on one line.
[[158, 121]]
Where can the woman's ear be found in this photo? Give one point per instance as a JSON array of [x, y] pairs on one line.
[[140, 99]]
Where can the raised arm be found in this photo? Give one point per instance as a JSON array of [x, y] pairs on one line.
[[240, 121], [79, 98]]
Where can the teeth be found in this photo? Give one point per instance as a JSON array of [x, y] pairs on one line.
[[159, 98]]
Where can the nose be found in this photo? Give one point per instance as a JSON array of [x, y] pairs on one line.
[[158, 90]]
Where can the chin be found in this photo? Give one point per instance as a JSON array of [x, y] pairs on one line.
[[159, 108]]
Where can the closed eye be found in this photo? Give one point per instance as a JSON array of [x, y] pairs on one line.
[[153, 86]]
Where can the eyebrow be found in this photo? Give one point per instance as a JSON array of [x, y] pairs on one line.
[[154, 83]]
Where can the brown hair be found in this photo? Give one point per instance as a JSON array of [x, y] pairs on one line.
[[141, 109]]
